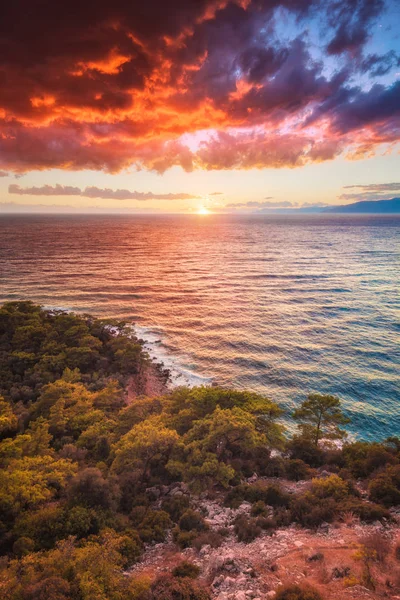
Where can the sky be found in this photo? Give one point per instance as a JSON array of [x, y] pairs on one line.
[[195, 106]]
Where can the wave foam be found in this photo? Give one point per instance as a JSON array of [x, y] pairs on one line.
[[180, 374]]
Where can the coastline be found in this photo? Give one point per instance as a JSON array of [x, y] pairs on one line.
[[151, 339], [152, 381]]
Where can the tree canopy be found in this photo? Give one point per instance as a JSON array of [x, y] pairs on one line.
[[320, 416]]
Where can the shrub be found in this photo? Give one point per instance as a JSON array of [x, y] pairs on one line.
[[295, 592], [131, 548], [53, 587], [235, 496], [175, 506], [246, 529], [23, 546], [305, 450], [44, 526], [297, 469], [377, 544], [186, 569], [310, 511], [275, 496], [259, 508], [368, 512], [271, 495], [192, 520], [266, 523], [330, 487], [363, 458], [154, 526], [272, 467], [385, 487], [184, 539], [139, 587], [81, 521], [89, 488], [350, 581], [208, 538], [283, 517], [177, 588]]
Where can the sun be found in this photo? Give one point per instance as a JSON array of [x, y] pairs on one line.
[[202, 210]]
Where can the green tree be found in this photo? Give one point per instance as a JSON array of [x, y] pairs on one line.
[[213, 443], [146, 442], [8, 420], [320, 417], [30, 481]]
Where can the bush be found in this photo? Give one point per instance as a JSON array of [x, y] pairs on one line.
[[184, 539], [297, 469], [154, 526], [175, 506], [235, 496], [310, 511], [139, 587], [330, 487], [192, 520], [377, 545], [295, 592], [259, 508], [271, 495], [276, 497], [246, 529], [186, 569], [44, 526], [81, 521], [53, 587], [305, 450], [23, 546], [131, 548], [176, 588], [266, 523], [363, 458], [368, 512], [385, 487], [89, 488], [283, 517], [208, 538]]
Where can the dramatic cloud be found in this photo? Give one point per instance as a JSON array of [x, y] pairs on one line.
[[351, 19], [94, 192], [200, 84], [378, 66], [371, 191], [3, 174]]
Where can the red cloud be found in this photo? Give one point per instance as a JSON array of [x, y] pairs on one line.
[[125, 84]]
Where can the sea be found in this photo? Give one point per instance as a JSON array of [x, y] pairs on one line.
[[280, 305]]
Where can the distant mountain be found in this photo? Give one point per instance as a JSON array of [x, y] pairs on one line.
[[371, 207]]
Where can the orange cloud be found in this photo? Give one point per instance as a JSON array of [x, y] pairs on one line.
[[115, 88]]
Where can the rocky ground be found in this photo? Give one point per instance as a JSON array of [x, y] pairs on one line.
[[326, 559], [150, 382]]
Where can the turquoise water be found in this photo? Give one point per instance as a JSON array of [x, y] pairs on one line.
[[280, 305]]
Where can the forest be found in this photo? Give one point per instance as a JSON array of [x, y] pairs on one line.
[[86, 472]]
